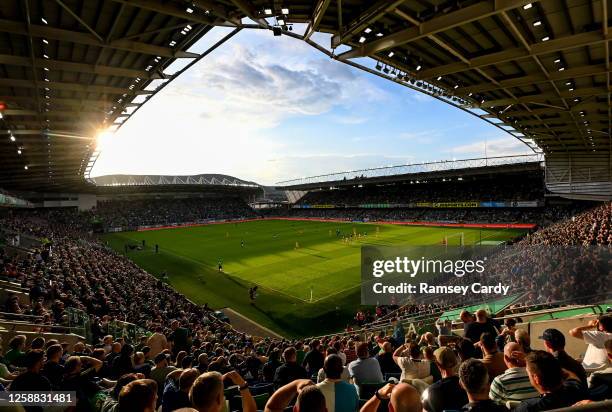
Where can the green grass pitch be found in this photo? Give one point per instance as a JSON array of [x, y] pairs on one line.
[[287, 259]]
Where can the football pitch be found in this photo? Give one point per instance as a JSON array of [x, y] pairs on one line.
[[307, 274]]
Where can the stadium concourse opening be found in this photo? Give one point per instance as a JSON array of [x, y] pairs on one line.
[[209, 292]]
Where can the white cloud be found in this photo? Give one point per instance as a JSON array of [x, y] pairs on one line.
[[507, 146], [221, 115]]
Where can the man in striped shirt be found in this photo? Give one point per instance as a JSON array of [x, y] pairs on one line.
[[340, 396], [513, 384]]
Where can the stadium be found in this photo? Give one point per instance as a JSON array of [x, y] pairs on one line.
[[480, 283]]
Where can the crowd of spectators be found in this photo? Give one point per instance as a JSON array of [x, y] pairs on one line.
[[542, 216], [192, 360], [589, 228], [498, 188], [165, 211], [491, 368]]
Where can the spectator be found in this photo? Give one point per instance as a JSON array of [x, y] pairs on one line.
[[309, 397], [365, 369], [207, 395], [31, 379], [123, 363], [81, 380], [340, 396], [493, 359], [507, 333], [402, 398], [313, 361], [398, 332], [447, 393], [513, 385], [596, 356], [269, 368], [138, 396], [554, 342], [474, 330], [202, 363], [521, 336], [412, 366], [52, 370], [176, 399], [385, 359], [465, 349], [600, 381], [111, 403], [15, 354], [345, 372], [140, 366], [474, 378], [546, 376], [157, 342], [290, 371], [161, 370]]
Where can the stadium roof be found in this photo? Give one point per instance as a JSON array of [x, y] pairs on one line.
[[161, 180], [70, 68]]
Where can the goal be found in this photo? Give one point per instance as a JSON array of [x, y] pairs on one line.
[[455, 239]]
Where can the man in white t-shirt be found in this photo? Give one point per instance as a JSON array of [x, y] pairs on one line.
[[412, 366], [595, 334]]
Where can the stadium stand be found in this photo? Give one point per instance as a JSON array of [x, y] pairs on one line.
[[69, 273], [79, 317]]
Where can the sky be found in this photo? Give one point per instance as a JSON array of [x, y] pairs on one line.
[[267, 109]]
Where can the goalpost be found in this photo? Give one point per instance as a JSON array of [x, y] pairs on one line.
[[455, 239]]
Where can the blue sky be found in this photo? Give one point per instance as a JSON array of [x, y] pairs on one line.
[[268, 108]]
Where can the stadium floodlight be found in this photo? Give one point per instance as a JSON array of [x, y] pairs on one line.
[[379, 34], [546, 38], [26, 167], [189, 10], [439, 78], [527, 6], [18, 151], [362, 39], [557, 60], [537, 23], [367, 30], [12, 138], [45, 41], [418, 68], [285, 10], [281, 22], [44, 20]]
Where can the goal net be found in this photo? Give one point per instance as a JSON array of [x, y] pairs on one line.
[[455, 239]]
